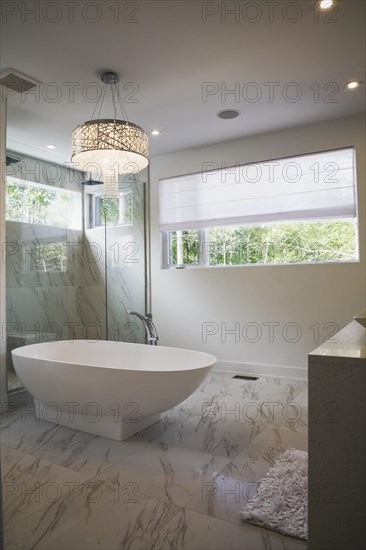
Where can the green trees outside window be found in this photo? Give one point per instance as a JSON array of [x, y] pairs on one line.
[[30, 204], [276, 243]]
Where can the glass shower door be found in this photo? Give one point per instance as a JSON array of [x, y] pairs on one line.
[[125, 260], [43, 234], [116, 232]]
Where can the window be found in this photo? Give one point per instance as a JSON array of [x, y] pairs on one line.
[[110, 212], [45, 213], [33, 203], [294, 210], [40, 256]]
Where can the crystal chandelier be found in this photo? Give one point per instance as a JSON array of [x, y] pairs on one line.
[[110, 145]]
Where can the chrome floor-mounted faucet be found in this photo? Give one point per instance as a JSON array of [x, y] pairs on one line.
[[151, 332]]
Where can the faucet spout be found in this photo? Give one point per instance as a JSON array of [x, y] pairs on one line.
[[150, 328]]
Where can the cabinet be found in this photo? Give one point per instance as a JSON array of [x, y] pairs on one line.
[[337, 441]]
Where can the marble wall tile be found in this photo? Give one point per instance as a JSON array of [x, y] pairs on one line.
[[21, 248], [41, 305]]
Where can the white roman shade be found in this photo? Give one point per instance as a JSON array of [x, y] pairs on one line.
[[306, 187]]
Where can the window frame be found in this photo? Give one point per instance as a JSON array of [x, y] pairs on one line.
[[91, 206], [52, 189], [203, 233]]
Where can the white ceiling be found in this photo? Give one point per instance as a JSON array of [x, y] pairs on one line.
[[169, 53]]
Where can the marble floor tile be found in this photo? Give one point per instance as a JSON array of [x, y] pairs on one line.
[[260, 414], [9, 412], [204, 434], [199, 403], [171, 419], [166, 472], [225, 496], [30, 484], [294, 416], [83, 452], [178, 484], [11, 545], [215, 384], [98, 516], [254, 462], [303, 399], [31, 436], [265, 389], [261, 407], [189, 530]]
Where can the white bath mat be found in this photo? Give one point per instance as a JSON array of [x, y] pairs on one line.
[[281, 502]]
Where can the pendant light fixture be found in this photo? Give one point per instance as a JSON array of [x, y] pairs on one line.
[[110, 146]]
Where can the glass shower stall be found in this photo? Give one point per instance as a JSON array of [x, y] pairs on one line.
[[75, 263]]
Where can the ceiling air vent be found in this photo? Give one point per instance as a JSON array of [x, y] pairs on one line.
[[16, 81]]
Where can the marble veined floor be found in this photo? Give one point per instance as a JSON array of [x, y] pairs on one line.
[[179, 484]]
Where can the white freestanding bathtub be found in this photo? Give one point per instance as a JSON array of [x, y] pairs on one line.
[[114, 389]]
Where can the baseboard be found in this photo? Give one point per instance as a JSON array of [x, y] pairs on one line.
[[257, 369]]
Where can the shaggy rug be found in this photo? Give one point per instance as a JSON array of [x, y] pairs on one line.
[[281, 502]]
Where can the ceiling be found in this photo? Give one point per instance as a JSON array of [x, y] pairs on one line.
[[168, 55]]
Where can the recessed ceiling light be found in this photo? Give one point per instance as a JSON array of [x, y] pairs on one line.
[[155, 132], [228, 114], [352, 84], [50, 146], [326, 4]]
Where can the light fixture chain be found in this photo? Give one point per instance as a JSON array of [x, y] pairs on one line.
[[123, 110], [102, 100], [114, 89]]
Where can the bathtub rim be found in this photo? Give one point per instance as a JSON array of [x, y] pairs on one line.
[[20, 352]]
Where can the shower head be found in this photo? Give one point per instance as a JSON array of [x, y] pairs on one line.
[[90, 182]]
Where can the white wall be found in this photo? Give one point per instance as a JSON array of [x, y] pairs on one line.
[[182, 300]]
